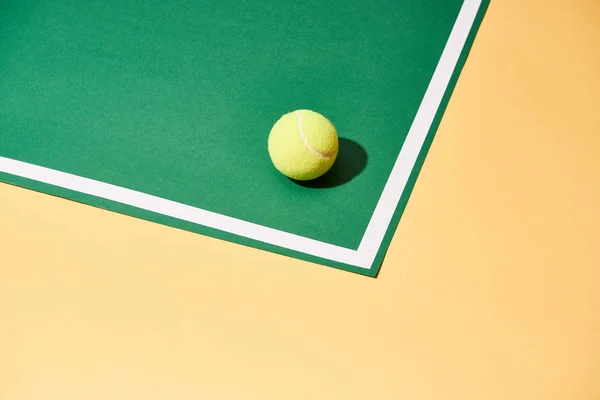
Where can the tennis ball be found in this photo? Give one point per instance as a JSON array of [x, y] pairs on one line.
[[303, 145]]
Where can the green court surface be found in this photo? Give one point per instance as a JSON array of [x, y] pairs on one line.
[[161, 110]]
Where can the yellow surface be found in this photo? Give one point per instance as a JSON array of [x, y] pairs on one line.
[[490, 290]]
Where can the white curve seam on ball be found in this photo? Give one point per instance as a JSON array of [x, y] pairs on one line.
[[308, 146]]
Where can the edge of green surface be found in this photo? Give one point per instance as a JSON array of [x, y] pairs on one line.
[[428, 141]]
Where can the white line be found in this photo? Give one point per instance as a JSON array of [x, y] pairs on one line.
[[394, 188], [305, 140], [380, 220], [178, 210]]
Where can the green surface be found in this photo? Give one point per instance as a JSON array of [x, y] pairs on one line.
[[176, 99]]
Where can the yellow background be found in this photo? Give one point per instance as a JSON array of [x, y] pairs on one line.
[[489, 291]]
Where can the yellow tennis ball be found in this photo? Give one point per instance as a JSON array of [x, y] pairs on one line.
[[303, 145]]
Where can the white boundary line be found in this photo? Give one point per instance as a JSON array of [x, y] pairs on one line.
[[380, 220], [392, 192]]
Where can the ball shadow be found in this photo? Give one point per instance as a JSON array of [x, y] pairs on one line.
[[350, 162]]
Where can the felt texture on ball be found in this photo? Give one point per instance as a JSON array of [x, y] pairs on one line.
[[303, 145]]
